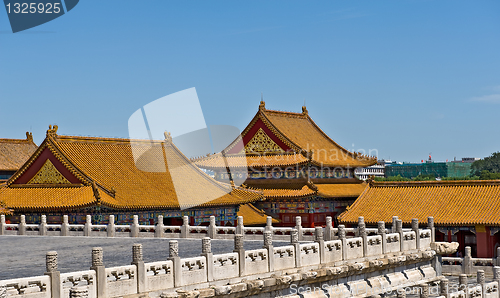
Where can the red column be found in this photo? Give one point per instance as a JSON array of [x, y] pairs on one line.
[[482, 242], [311, 220]]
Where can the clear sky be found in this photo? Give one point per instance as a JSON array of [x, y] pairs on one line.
[[404, 77]]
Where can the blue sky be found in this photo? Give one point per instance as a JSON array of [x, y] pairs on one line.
[[404, 77]]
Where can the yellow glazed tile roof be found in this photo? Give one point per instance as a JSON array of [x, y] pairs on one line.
[[216, 161], [253, 216], [451, 203], [109, 164], [305, 191], [15, 152], [340, 190]]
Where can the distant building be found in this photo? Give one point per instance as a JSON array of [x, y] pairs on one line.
[[13, 154], [377, 170], [439, 169]]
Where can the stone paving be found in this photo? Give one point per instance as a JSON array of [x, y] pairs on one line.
[[23, 256]]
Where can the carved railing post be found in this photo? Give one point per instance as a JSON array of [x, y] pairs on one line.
[[294, 239], [240, 249], [42, 227], [53, 273], [268, 244], [341, 235], [269, 224], [173, 255], [239, 226], [463, 285], [185, 227], [134, 227], [110, 229], [481, 280], [329, 229], [138, 261], [414, 228], [87, 230], [159, 227], [498, 258], [382, 232], [394, 224], [362, 233], [444, 288], [496, 275], [65, 226], [298, 227], [212, 231], [206, 251], [3, 292], [100, 271], [2, 224], [430, 226], [320, 239], [399, 230], [467, 261], [21, 227]]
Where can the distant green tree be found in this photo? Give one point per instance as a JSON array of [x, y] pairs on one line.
[[425, 177], [392, 178], [491, 164]]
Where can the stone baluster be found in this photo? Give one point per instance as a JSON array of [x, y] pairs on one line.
[[467, 261], [2, 224], [185, 227], [444, 288], [159, 228], [294, 239], [53, 273], [21, 227], [414, 228], [134, 227], [138, 261], [268, 244], [430, 226], [298, 227], [463, 285], [319, 238], [3, 292], [206, 251], [342, 237], [65, 226], [173, 255], [496, 275], [240, 249], [87, 230], [362, 233], [110, 229], [399, 230], [100, 271], [498, 257], [239, 226], [394, 223], [42, 227], [212, 228], [269, 224], [424, 290], [79, 292], [481, 280], [382, 232], [329, 229]]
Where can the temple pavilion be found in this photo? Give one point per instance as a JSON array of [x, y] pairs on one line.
[[466, 212], [76, 176], [300, 170]]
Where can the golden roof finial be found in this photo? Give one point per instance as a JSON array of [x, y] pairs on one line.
[[52, 131], [262, 105], [29, 136], [304, 109], [168, 136]]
